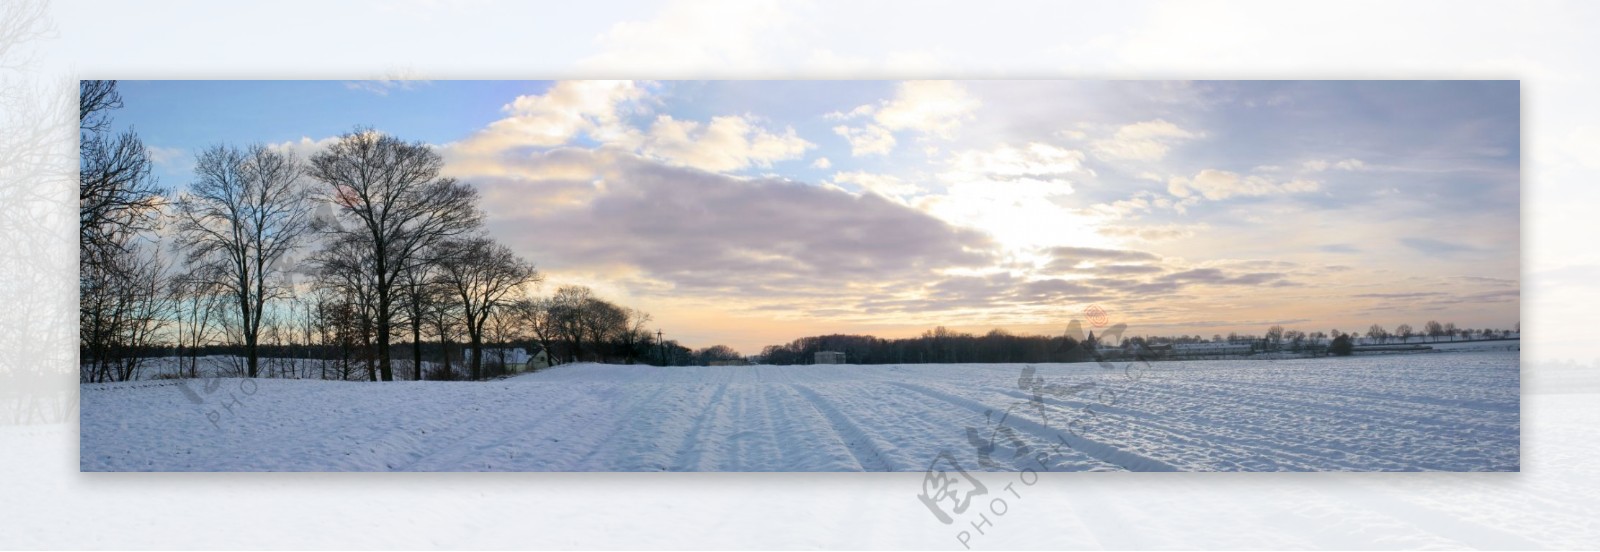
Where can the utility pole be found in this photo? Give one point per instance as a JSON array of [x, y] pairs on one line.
[[661, 346]]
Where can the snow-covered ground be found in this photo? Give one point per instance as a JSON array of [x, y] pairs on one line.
[[1455, 412]]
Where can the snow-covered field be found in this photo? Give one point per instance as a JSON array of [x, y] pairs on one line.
[[1446, 411]]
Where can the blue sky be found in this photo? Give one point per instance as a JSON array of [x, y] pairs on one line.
[[752, 212]]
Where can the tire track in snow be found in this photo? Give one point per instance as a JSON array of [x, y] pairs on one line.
[[640, 447], [1241, 445], [628, 419], [690, 457], [801, 421], [1392, 410], [751, 442], [1104, 452], [1389, 424], [867, 449]]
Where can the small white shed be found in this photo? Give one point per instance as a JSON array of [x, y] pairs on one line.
[[829, 357]]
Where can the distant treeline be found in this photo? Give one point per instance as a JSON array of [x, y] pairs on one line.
[[941, 345], [938, 345]]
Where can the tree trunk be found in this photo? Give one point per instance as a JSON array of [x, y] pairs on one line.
[[416, 346], [444, 346], [477, 355], [251, 353], [249, 334], [383, 340], [366, 349]]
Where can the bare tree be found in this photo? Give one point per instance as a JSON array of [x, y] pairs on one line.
[[419, 289], [344, 265], [1450, 330], [341, 319], [535, 317], [567, 311], [716, 353], [121, 291], [482, 276], [1296, 339], [445, 317], [1434, 329], [505, 327], [122, 307], [117, 197], [245, 210], [195, 307], [1275, 336], [603, 322], [1405, 332], [391, 191], [634, 335], [320, 303], [1377, 333], [1319, 341]]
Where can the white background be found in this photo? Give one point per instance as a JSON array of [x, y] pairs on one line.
[[45, 502]]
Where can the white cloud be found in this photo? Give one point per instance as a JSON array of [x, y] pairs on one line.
[[597, 110], [1035, 161], [305, 147], [1124, 208], [568, 109], [821, 163], [932, 108], [1143, 141], [1350, 165], [881, 184], [165, 156], [936, 108], [1153, 233], [1301, 185], [727, 143], [859, 111], [868, 140], [1319, 165], [1216, 184]]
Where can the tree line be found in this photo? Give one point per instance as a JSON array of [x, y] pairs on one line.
[[363, 257], [941, 345], [938, 345]]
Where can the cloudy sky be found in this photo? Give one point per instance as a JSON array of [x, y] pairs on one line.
[[754, 212]]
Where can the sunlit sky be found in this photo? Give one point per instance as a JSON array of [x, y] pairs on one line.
[[750, 213]]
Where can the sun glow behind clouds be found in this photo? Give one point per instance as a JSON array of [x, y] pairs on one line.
[[1018, 195]]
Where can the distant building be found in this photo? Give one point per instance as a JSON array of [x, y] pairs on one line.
[[829, 357], [1211, 349], [516, 359]]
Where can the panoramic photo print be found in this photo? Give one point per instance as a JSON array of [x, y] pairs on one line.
[[941, 277]]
